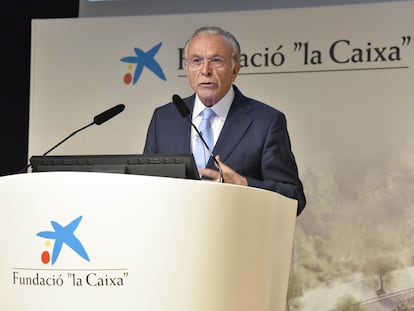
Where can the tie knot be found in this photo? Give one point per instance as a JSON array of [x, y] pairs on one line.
[[207, 113]]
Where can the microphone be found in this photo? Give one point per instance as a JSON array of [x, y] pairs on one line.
[[98, 120], [185, 112], [108, 114]]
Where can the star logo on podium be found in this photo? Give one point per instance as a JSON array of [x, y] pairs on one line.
[[63, 235]]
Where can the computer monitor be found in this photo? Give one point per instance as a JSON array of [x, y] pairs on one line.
[[163, 165]]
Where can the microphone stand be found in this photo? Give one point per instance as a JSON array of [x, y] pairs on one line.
[[98, 120], [57, 145]]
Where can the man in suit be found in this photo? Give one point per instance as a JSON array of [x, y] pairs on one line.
[[249, 138]]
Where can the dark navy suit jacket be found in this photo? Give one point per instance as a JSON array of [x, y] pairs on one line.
[[254, 142]]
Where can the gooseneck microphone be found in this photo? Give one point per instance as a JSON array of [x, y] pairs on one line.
[[98, 120], [185, 112]]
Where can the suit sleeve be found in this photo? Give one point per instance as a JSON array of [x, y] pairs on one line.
[[278, 166]]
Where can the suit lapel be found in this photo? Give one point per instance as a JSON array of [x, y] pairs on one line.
[[237, 122]]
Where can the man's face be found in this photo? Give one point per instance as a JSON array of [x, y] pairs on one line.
[[212, 79]]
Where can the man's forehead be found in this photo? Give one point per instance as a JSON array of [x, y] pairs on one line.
[[209, 43]]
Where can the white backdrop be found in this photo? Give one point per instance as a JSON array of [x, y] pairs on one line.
[[350, 120]]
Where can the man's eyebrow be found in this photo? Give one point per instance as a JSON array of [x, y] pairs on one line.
[[212, 56]]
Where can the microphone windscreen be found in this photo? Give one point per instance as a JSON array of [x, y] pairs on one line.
[[108, 114], [181, 106]]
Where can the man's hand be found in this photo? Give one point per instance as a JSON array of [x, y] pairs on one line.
[[230, 176]]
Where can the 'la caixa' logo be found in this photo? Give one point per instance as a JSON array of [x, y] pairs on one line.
[[142, 60], [62, 235]]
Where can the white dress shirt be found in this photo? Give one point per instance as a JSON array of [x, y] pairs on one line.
[[221, 108]]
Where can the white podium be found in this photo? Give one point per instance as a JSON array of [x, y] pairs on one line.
[[102, 241]]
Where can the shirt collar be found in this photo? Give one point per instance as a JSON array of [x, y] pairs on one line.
[[221, 108]]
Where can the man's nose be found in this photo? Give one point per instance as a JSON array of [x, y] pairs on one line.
[[206, 67]]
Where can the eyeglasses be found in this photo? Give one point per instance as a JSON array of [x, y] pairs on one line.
[[197, 62]]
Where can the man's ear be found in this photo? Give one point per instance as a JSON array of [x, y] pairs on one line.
[[236, 69]]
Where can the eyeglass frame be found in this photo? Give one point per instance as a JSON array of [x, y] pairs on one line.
[[220, 64]]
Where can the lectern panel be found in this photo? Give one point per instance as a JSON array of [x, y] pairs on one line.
[[100, 241]]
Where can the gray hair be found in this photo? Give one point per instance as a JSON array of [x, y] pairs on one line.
[[214, 30]]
